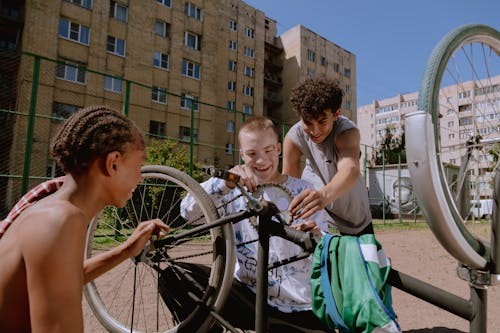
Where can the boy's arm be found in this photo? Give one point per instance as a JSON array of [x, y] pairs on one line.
[[215, 187], [310, 201], [53, 259], [291, 158], [103, 262]]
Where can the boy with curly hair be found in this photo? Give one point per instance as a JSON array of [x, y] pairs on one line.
[[330, 144]]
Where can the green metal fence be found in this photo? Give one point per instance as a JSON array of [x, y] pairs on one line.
[[38, 93]]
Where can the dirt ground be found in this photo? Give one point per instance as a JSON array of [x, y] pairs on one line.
[[416, 253]]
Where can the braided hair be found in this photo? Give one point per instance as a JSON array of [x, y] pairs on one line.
[[91, 133]]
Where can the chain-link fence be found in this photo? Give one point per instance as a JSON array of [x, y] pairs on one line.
[[38, 93]]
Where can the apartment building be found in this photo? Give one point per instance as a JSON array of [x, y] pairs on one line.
[[168, 64], [466, 111], [307, 54]]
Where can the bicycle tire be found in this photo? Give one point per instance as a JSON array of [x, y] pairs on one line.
[[158, 304], [451, 232]]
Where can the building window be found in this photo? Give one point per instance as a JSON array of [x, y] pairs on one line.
[[233, 45], [190, 69], [193, 11], [249, 52], [160, 60], [187, 101], [162, 28], [74, 31], [464, 94], [231, 65], [157, 128], [232, 25], [451, 136], [116, 45], [248, 71], [167, 3], [347, 105], [336, 67], [159, 95], [311, 56], [247, 91], [249, 32], [451, 124], [185, 134], [192, 40], [83, 3], [231, 105], [324, 62], [347, 89], [347, 72], [70, 72], [112, 84], [229, 148], [231, 85], [230, 126], [118, 11], [63, 111], [247, 109], [310, 72]]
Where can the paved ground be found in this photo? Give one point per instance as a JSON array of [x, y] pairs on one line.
[[416, 253]]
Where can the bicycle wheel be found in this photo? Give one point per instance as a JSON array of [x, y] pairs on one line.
[[153, 295], [453, 145]]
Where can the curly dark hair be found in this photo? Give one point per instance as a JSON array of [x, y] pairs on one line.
[[91, 133], [313, 96]]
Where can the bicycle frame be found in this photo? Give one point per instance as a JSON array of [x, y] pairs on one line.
[[266, 211]]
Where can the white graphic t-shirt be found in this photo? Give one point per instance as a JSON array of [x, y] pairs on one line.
[[289, 285]]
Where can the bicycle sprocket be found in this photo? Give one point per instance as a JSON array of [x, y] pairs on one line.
[[279, 195]]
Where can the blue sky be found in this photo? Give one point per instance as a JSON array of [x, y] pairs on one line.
[[392, 39]]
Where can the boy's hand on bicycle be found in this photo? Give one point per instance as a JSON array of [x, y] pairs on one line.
[[143, 233], [247, 178], [310, 226]]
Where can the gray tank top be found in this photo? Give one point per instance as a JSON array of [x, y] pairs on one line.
[[351, 213]]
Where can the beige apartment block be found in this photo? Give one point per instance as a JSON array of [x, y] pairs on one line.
[[210, 51], [466, 110], [307, 54], [168, 64]]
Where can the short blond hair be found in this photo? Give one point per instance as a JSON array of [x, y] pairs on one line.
[[258, 124]]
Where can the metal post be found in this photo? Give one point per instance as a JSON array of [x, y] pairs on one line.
[[399, 187], [364, 162], [479, 298], [31, 125], [383, 186], [262, 278], [191, 138], [126, 103], [495, 224]]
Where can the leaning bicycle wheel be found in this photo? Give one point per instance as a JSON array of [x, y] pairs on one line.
[[452, 152], [155, 293]]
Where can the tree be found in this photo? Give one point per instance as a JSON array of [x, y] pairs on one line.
[[170, 153], [390, 149]]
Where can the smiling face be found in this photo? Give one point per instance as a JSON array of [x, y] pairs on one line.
[[260, 151], [319, 128]]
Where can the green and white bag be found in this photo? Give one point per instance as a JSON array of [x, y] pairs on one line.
[[349, 285]]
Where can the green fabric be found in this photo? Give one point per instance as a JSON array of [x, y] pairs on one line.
[[356, 301]]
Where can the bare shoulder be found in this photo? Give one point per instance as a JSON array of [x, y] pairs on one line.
[[46, 224], [348, 139]]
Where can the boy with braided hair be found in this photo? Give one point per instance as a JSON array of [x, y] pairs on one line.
[[41, 254]]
